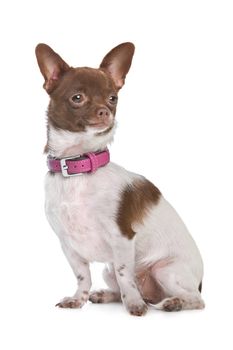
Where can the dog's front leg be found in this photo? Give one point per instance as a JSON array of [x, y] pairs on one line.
[[124, 264], [81, 270]]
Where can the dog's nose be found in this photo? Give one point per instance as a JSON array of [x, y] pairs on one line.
[[103, 113]]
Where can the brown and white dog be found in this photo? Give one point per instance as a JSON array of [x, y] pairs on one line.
[[111, 215]]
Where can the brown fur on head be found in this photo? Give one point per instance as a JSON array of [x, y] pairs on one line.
[[81, 97]]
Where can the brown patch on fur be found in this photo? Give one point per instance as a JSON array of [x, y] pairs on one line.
[[136, 199]]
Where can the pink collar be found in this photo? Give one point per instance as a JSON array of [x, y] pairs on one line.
[[71, 166]]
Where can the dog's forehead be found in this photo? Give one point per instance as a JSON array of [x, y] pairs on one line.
[[87, 80]]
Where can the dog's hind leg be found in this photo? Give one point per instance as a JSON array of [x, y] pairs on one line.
[[180, 288]]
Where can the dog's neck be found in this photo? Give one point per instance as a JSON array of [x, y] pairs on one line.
[[63, 143]]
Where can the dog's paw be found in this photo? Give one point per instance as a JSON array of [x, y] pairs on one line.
[[71, 303], [104, 296], [137, 309], [172, 304]]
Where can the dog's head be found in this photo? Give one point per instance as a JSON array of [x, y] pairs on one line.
[[84, 99]]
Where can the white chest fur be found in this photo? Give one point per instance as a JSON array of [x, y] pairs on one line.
[[81, 209]]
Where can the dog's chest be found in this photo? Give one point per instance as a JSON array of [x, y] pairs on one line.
[[78, 210]]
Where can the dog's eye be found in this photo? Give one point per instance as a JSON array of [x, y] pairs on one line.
[[113, 99], [77, 98]]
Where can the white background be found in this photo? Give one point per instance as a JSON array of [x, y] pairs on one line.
[[175, 127]]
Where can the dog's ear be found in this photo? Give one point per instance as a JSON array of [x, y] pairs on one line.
[[51, 66], [117, 62]]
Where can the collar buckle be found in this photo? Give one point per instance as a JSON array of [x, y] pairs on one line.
[[64, 166]]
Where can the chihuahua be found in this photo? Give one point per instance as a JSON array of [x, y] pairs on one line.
[[102, 212]]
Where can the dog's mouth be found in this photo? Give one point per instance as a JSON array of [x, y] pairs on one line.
[[101, 128], [101, 125], [97, 125]]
